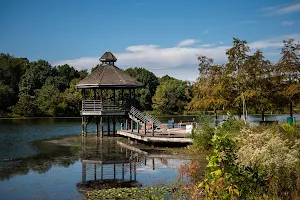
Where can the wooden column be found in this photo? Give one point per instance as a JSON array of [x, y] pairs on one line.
[[123, 171], [114, 171], [131, 126], [101, 126], [83, 126], [95, 172], [137, 127], [145, 128], [126, 124], [114, 126], [152, 129], [108, 125], [101, 171], [134, 169], [97, 126], [153, 164], [130, 170]]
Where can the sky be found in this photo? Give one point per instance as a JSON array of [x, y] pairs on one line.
[[163, 36]]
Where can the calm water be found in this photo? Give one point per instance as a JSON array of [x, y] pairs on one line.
[[35, 164]]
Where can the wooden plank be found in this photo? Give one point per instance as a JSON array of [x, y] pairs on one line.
[[155, 139]]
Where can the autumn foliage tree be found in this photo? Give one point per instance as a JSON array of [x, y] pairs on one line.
[[210, 92]]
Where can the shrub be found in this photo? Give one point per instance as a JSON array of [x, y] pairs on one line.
[[268, 151], [202, 135]]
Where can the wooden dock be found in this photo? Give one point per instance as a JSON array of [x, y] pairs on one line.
[[170, 136]]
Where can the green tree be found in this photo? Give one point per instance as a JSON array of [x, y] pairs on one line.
[[11, 70], [35, 77], [288, 72], [70, 100], [6, 96], [150, 81], [26, 106], [235, 70], [48, 99], [257, 83], [170, 97]]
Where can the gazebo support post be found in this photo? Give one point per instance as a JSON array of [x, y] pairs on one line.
[[108, 125], [101, 126], [97, 126], [114, 126]]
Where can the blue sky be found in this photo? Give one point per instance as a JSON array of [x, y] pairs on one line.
[[163, 36]]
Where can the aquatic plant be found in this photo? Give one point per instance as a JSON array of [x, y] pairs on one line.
[[151, 193]]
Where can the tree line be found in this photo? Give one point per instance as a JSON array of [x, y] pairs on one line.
[[38, 89], [248, 80]]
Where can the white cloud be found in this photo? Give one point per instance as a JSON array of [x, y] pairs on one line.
[[282, 9], [186, 42], [179, 61], [272, 42], [206, 45], [288, 23]]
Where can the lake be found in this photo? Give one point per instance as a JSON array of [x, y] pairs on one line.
[[48, 159]]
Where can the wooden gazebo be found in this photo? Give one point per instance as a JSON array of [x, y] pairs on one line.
[[99, 99]]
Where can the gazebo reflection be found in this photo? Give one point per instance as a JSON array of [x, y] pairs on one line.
[[107, 165]]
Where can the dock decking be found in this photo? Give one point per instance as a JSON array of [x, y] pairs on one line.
[[170, 136]]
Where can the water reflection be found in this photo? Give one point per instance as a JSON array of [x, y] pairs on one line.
[[79, 164], [51, 154], [106, 165]]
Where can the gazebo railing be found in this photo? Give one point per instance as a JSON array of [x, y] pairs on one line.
[[92, 105]]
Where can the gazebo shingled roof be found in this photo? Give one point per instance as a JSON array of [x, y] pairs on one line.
[[109, 76]]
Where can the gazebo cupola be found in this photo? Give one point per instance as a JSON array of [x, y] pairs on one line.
[[108, 58]]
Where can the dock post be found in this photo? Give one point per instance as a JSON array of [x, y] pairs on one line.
[[130, 169], [145, 128], [114, 126], [97, 126], [126, 125], [134, 169], [131, 126], [137, 127], [123, 171], [101, 126], [95, 172], [84, 126], [152, 129], [108, 126], [82, 123], [153, 164], [121, 125], [114, 171], [101, 171]]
